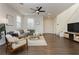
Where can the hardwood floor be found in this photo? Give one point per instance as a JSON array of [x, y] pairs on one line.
[[56, 46]]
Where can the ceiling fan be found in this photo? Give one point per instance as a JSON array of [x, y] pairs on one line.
[[37, 10]]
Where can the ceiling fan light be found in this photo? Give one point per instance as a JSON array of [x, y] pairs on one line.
[[37, 11]]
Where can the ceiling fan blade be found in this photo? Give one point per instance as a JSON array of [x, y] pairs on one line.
[[39, 8], [42, 11]]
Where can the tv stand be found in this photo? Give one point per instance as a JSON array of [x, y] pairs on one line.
[[72, 36]]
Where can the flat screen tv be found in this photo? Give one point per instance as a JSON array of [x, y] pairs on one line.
[[73, 27]]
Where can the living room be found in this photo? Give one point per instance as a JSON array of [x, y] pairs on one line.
[[41, 28]]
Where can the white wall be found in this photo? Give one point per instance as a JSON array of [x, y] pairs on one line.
[[49, 25], [38, 22], [6, 10], [12, 13], [68, 16], [46, 24]]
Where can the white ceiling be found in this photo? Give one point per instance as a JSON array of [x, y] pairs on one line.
[[51, 8]]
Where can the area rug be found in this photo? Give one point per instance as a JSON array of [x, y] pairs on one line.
[[38, 42]]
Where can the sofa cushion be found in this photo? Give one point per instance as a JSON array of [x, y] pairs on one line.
[[11, 39], [26, 31], [12, 33], [21, 31], [17, 32], [19, 43]]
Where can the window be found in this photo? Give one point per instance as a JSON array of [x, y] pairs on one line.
[[18, 22], [30, 23]]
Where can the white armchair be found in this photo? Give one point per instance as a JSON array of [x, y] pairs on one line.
[[14, 42]]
